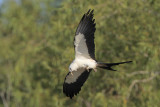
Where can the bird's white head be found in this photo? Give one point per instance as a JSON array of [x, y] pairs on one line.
[[73, 67]]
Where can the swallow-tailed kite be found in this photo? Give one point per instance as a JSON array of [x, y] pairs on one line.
[[84, 61]]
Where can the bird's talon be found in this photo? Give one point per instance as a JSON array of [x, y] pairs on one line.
[[95, 70], [88, 69]]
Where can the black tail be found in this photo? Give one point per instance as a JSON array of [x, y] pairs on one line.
[[108, 66]]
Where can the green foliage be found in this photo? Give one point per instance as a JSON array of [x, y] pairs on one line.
[[36, 47]]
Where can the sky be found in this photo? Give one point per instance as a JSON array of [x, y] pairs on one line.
[[1, 2]]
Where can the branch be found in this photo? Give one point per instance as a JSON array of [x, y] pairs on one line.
[[9, 86], [3, 99], [88, 104], [154, 75], [136, 73], [108, 16]]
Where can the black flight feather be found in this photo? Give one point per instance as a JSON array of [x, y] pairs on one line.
[[71, 89], [87, 28]]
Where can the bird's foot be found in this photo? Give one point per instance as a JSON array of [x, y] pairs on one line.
[[95, 70], [71, 73], [88, 69]]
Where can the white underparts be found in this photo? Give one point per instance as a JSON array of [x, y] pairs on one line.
[[83, 63]]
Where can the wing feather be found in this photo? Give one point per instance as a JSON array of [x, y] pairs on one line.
[[85, 32], [73, 83]]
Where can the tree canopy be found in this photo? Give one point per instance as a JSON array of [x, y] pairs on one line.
[[36, 48]]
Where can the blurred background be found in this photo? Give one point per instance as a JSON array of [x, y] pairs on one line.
[[36, 48]]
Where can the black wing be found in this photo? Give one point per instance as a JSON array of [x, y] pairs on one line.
[[84, 38], [73, 83]]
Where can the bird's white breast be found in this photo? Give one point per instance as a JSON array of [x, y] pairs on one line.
[[82, 62], [85, 61]]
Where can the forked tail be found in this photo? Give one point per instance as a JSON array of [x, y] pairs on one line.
[[108, 66]]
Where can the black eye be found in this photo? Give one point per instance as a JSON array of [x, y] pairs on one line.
[[70, 69]]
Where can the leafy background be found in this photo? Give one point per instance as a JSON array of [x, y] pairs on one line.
[[36, 47]]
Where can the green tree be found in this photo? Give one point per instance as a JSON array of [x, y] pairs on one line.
[[36, 47]]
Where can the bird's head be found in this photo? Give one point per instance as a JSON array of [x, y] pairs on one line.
[[70, 69], [73, 67]]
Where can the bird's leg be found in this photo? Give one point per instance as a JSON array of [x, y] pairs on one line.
[[95, 70], [88, 68], [71, 73]]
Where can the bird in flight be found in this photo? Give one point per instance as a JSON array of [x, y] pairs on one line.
[[84, 61]]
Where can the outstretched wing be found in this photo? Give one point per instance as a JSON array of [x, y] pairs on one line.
[[73, 83], [84, 38]]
